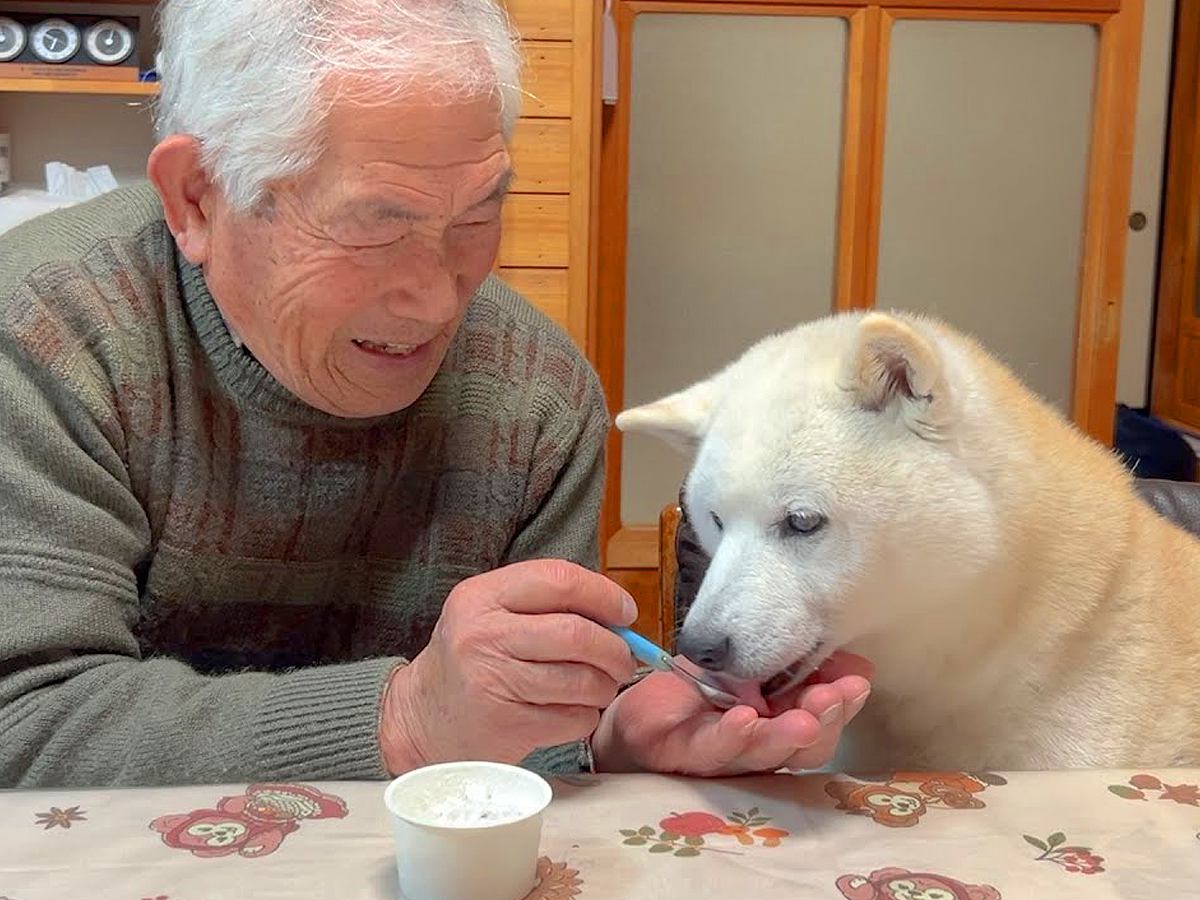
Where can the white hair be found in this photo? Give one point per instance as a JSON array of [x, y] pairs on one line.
[[254, 80]]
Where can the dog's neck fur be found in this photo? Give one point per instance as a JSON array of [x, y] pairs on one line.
[[1028, 610]]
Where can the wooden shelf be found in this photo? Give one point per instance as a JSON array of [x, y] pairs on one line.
[[77, 86]]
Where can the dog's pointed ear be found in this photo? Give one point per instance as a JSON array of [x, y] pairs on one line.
[[893, 368], [680, 419]]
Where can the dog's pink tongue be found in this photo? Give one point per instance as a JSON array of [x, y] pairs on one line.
[[747, 691]]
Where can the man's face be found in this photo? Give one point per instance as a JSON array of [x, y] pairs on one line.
[[350, 282]]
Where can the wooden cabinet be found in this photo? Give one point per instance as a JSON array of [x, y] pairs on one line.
[[770, 161], [544, 20], [546, 252]]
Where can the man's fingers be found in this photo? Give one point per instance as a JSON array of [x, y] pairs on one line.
[[708, 743], [775, 740], [567, 638], [833, 706], [842, 664], [740, 741], [818, 696], [819, 754], [556, 586], [554, 684], [804, 737]]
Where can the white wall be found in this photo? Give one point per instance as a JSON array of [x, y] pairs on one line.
[[733, 201]]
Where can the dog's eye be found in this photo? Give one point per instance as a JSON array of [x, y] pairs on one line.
[[716, 520], [805, 522]]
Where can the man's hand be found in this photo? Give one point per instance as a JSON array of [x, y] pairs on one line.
[[517, 661], [664, 725]]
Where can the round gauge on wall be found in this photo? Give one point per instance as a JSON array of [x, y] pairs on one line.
[[55, 40], [12, 39], [109, 42]]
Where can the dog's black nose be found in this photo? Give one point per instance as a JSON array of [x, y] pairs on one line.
[[705, 650]]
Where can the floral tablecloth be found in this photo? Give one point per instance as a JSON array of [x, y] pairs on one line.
[[900, 836]]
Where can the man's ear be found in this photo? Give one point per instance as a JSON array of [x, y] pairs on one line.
[[680, 419], [895, 370], [177, 172]]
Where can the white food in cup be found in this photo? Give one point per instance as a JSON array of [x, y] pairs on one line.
[[467, 831]]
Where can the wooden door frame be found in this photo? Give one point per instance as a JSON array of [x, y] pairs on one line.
[[1110, 168], [587, 69], [1179, 255]]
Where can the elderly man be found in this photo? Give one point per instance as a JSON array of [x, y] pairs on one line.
[[289, 486]]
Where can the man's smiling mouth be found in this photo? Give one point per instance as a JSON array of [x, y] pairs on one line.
[[387, 349]]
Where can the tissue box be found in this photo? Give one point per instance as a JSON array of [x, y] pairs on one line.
[[72, 184]]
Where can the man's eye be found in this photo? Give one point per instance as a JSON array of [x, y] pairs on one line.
[[716, 520], [362, 237]]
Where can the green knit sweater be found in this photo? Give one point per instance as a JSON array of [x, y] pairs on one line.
[[202, 579]]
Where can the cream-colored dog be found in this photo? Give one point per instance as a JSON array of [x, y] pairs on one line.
[[880, 483]]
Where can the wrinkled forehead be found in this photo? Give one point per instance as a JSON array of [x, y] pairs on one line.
[[416, 157]]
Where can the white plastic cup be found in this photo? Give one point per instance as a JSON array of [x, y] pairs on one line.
[[467, 830]]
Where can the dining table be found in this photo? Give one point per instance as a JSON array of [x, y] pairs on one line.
[[1083, 834]]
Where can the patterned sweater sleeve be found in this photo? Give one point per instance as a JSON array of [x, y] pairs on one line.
[[567, 485], [79, 704]]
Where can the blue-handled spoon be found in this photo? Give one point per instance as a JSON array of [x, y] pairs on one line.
[[656, 657]]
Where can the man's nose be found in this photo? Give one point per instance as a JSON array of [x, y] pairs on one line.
[[429, 293]]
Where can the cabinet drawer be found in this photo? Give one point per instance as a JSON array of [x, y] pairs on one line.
[[541, 154], [547, 20], [547, 80], [536, 231]]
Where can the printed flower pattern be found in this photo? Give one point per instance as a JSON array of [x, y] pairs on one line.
[[60, 818], [686, 834], [555, 882], [747, 827], [1072, 859], [693, 824], [1139, 787]]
